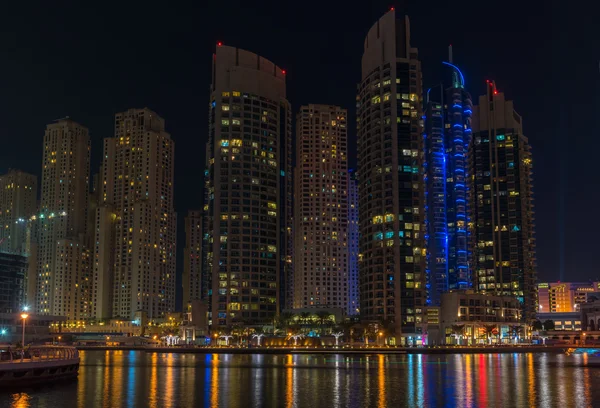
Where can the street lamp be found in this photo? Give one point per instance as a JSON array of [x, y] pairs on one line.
[[24, 316]]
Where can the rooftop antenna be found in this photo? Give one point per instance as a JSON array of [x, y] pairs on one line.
[[450, 54]]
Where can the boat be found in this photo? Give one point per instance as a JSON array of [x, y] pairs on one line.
[[37, 365]]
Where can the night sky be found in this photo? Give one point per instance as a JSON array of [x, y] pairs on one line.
[[90, 62]]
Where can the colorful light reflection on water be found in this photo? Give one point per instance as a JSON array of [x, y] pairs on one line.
[[131, 378]]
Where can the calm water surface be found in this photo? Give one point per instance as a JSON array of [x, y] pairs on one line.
[[138, 379]]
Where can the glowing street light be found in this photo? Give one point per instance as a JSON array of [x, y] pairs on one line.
[[24, 316]]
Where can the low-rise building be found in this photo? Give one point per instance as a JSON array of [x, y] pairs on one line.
[[13, 269], [562, 297], [468, 317], [590, 315], [562, 321], [37, 328]]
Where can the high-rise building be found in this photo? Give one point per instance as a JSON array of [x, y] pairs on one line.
[[503, 212], [248, 237], [321, 274], [447, 136], [62, 279], [18, 202], [137, 183], [102, 264], [390, 189], [353, 307], [192, 258]]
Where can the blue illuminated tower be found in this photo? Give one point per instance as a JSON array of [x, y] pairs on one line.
[[448, 110]]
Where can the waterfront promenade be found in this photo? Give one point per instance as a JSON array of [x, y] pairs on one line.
[[335, 350]]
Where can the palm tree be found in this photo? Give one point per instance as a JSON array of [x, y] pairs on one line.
[[458, 331], [323, 317], [489, 331], [515, 331], [285, 319], [305, 317], [370, 330]]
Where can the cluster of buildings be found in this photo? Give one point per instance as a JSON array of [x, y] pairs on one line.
[[433, 228]]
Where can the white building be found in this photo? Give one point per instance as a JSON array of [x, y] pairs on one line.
[[137, 182], [321, 277]]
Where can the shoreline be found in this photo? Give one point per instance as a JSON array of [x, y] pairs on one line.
[[346, 351]]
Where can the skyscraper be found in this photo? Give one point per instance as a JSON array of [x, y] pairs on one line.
[[62, 259], [448, 110], [137, 182], [390, 160], [353, 281], [18, 202], [248, 238], [503, 222], [321, 275], [192, 258]]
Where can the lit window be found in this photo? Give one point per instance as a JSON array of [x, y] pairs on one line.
[[225, 107], [225, 122]]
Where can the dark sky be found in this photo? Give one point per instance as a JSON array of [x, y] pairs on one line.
[[88, 62]]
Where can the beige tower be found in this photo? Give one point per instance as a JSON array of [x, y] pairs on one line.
[[61, 224], [18, 202], [321, 208], [137, 181], [192, 259]]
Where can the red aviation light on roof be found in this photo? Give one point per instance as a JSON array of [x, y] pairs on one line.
[[219, 44], [283, 71], [392, 8]]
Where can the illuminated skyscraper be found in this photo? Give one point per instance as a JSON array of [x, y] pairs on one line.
[[321, 267], [503, 212], [18, 202], [353, 307], [192, 258], [448, 110], [248, 209], [62, 281], [137, 184], [390, 162]]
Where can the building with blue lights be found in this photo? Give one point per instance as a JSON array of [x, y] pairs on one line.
[[504, 261], [448, 109]]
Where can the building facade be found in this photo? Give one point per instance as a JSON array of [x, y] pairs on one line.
[[248, 210], [18, 203], [447, 136], [391, 195], [137, 183], [353, 251], [13, 271], [563, 297], [321, 267], [102, 263], [502, 193], [62, 222], [192, 258], [467, 316]]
